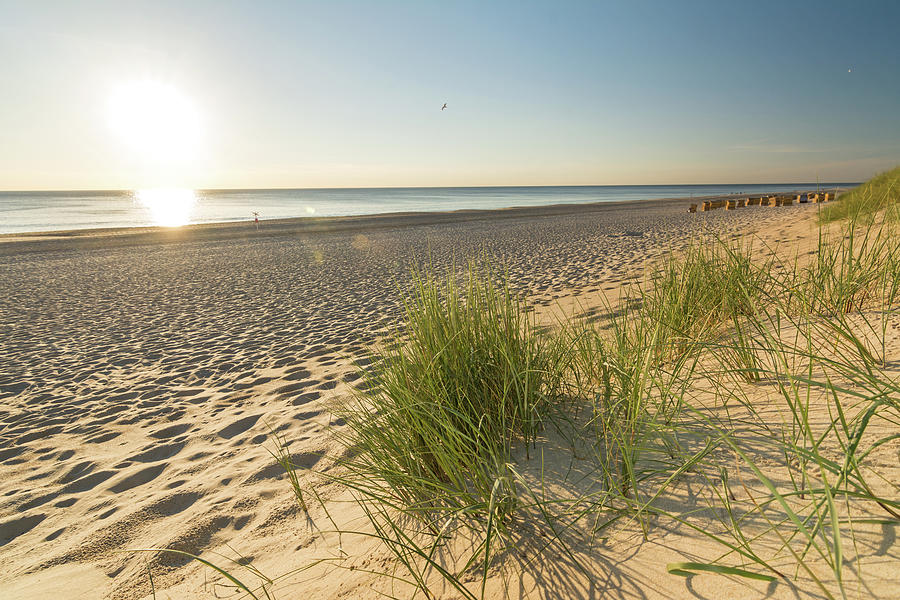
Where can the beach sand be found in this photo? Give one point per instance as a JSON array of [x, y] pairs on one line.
[[142, 373]]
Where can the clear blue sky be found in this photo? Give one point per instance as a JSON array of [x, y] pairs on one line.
[[345, 94]]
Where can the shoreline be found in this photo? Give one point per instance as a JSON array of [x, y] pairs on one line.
[[81, 239]]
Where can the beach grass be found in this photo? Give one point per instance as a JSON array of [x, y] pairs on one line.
[[755, 377], [730, 319], [881, 193], [813, 333], [467, 379]]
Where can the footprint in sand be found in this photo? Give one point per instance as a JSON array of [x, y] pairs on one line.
[[156, 452], [36, 435], [301, 460], [297, 375], [140, 478], [304, 416], [291, 387], [79, 470], [103, 438], [11, 452], [34, 502], [171, 431], [306, 398], [10, 530], [238, 427], [194, 540], [87, 482], [173, 504]]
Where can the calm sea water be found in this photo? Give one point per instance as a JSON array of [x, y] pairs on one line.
[[47, 211]]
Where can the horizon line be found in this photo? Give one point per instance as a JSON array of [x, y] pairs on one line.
[[419, 187]]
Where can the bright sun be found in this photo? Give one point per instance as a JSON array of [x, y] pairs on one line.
[[155, 119]]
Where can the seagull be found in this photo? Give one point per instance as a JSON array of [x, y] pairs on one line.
[[444, 106]]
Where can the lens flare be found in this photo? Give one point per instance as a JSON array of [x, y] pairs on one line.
[[168, 207]]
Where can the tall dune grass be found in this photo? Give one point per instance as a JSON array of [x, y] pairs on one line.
[[758, 380], [815, 343], [692, 294], [719, 317], [468, 379], [881, 193]]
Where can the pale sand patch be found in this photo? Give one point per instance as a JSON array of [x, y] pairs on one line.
[[74, 581]]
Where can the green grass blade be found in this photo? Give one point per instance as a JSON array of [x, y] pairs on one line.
[[686, 569]]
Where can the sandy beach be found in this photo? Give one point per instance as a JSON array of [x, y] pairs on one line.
[[449, 301], [142, 374]]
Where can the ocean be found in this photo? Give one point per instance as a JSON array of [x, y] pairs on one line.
[[22, 212]]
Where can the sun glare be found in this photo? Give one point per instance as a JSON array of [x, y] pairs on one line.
[[155, 119], [168, 207]]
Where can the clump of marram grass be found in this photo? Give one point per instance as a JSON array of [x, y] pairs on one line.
[[636, 368], [802, 489], [692, 295], [469, 378], [754, 323], [881, 193], [855, 270], [631, 370], [782, 494], [785, 497], [444, 406]]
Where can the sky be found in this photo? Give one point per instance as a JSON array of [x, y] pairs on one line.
[[269, 94]]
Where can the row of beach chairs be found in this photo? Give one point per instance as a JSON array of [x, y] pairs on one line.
[[762, 201]]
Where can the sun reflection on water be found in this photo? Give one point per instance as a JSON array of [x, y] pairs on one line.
[[168, 207]]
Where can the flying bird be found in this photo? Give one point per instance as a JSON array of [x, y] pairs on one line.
[[444, 106]]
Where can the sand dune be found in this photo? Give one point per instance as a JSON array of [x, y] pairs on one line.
[[141, 374]]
